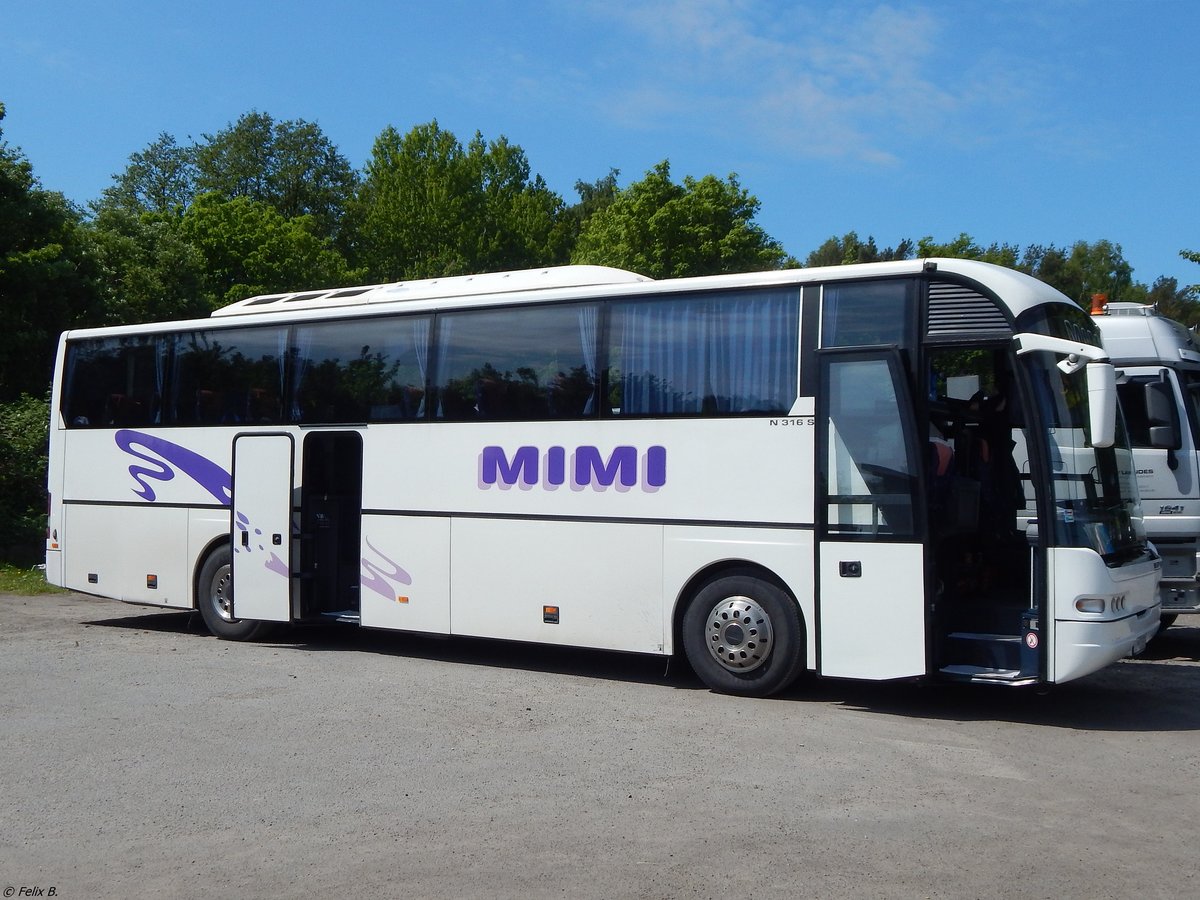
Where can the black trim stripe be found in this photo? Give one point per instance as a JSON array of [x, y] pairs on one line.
[[613, 520], [146, 504], [443, 514]]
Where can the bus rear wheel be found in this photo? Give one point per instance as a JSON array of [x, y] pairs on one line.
[[214, 596], [744, 635]]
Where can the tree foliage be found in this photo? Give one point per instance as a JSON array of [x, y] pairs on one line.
[[429, 207], [47, 274], [519, 217], [24, 424], [291, 166], [159, 179], [1191, 256], [248, 247], [593, 197], [1083, 270], [1172, 301], [149, 271], [415, 197], [849, 249], [667, 230], [964, 247]]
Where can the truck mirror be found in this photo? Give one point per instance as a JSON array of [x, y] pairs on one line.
[[1162, 416]]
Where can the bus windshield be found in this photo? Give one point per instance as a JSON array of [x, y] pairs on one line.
[[1093, 490]]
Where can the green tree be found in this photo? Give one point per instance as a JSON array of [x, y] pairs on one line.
[[159, 179], [150, 272], [249, 248], [291, 166], [593, 197], [667, 230], [964, 247], [1191, 256], [1087, 269], [429, 207], [24, 425], [416, 195], [1173, 301], [521, 223], [849, 249], [48, 275]]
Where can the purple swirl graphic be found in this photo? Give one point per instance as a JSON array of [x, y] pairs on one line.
[[166, 459], [377, 579]]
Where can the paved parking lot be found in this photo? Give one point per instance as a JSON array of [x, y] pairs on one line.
[[141, 757]]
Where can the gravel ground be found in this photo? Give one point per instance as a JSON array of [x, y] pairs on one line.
[[141, 757]]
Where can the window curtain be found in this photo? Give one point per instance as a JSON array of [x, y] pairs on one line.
[[709, 355], [164, 346], [588, 318], [301, 352], [444, 328], [420, 344]]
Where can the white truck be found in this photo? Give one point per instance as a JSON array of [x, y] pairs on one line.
[[1160, 396]]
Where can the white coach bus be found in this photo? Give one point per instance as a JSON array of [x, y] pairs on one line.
[[889, 471]]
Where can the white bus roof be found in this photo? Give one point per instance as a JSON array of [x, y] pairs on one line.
[[1017, 292], [1017, 289], [453, 286]]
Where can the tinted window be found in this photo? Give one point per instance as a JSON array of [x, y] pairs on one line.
[[710, 355], [229, 376], [360, 370], [114, 382], [870, 313], [524, 363]]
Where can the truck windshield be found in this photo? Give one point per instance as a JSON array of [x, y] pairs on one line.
[[1093, 491]]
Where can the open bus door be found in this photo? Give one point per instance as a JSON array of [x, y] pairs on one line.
[[871, 560], [263, 472]]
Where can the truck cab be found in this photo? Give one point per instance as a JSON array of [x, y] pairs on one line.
[[1160, 398]]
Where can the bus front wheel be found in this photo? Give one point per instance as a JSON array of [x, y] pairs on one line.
[[214, 596], [744, 635]]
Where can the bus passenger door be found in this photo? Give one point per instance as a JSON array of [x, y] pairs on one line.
[[262, 526], [871, 605]]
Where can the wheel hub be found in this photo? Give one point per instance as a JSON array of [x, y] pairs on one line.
[[739, 634], [222, 593]]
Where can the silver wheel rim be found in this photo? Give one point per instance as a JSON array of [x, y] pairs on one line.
[[220, 594], [738, 634]]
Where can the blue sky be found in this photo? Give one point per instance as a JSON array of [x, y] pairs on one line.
[[1018, 122]]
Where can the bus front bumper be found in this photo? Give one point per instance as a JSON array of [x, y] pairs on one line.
[[1085, 647]]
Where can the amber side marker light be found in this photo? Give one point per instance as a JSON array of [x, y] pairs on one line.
[[550, 615]]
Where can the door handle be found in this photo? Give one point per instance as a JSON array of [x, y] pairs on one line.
[[245, 539]]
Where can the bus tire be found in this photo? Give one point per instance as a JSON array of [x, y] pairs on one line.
[[1165, 622], [744, 635], [214, 597]]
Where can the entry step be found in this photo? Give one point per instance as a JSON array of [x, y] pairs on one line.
[[983, 651], [979, 636], [987, 674], [350, 616]]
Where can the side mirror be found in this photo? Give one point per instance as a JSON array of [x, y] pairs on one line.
[[1162, 416], [1102, 403]]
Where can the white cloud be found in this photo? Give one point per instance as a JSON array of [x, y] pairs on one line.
[[858, 81]]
